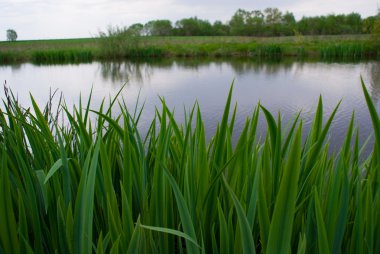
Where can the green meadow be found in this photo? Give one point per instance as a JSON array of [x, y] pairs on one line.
[[342, 47], [94, 184]]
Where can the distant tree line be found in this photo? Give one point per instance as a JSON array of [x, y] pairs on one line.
[[270, 22]]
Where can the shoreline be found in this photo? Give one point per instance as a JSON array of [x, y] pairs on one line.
[[349, 47]]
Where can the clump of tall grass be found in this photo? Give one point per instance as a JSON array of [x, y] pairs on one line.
[[350, 51], [118, 42], [99, 186], [61, 56], [268, 51], [9, 57]]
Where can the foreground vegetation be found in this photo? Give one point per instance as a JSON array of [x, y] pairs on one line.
[[119, 44], [99, 186]]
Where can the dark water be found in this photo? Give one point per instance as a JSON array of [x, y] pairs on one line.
[[288, 87]]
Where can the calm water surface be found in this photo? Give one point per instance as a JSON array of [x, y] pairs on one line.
[[288, 87]]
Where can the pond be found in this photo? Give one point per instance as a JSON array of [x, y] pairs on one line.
[[286, 86]]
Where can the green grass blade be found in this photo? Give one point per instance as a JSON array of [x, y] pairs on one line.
[[280, 231], [272, 127], [245, 229], [172, 232], [220, 142], [323, 243], [136, 240], [187, 224], [84, 206], [8, 227], [374, 117]]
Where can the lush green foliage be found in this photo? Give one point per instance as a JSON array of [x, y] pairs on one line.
[[99, 186], [158, 28], [269, 22], [376, 29]]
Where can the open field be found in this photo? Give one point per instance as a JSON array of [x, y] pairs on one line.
[[88, 49], [99, 186]]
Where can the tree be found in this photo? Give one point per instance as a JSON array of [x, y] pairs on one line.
[[273, 22], [11, 35], [246, 22], [238, 22], [288, 18], [161, 27], [354, 22], [135, 29], [273, 16], [193, 27], [220, 29], [367, 24], [376, 29]]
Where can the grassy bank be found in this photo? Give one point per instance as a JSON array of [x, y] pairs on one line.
[[98, 186], [84, 50]]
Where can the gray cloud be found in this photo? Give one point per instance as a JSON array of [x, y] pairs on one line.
[[35, 19]]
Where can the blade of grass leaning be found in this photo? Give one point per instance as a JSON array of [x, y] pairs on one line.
[[187, 224], [323, 243], [135, 243], [271, 126], [172, 232], [374, 117], [56, 166], [245, 229], [280, 230]]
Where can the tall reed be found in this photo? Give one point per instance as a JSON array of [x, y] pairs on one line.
[[350, 51], [62, 56], [99, 186]]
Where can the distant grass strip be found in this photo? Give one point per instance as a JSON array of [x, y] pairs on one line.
[[99, 186], [62, 56], [352, 47]]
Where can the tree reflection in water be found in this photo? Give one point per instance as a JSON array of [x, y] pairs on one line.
[[140, 72], [126, 71]]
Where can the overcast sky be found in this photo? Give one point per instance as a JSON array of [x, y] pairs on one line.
[[48, 19]]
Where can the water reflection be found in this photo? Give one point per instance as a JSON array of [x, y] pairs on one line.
[[14, 67], [140, 72], [268, 67], [123, 72]]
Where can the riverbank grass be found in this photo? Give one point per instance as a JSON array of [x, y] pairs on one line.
[[99, 186], [115, 47]]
